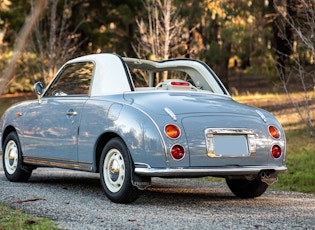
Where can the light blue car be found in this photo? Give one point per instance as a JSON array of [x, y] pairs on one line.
[[131, 119]]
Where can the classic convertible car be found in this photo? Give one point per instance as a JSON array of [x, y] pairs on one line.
[[131, 119]]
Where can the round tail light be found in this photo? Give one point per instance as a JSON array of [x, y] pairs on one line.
[[276, 151], [172, 131], [274, 132], [178, 152]]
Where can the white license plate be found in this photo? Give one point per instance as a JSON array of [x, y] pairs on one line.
[[230, 145]]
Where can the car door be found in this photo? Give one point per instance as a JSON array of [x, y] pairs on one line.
[[50, 130]]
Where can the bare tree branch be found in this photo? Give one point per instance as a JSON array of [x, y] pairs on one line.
[[60, 45], [303, 27], [161, 33]]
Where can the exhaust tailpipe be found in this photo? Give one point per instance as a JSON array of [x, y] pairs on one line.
[[269, 177]]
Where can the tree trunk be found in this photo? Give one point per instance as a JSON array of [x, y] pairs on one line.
[[283, 36]]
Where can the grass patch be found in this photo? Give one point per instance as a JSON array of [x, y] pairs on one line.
[[300, 162], [11, 219], [300, 159]]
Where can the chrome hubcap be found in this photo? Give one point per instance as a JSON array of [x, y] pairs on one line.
[[114, 170], [11, 156]]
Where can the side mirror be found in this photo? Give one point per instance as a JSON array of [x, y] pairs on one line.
[[38, 90]]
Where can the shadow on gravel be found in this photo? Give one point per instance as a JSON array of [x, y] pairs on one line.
[[162, 191], [172, 198]]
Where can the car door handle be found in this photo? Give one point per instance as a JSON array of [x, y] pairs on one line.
[[71, 112]]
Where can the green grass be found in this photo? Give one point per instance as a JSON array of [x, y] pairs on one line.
[[300, 161], [18, 220]]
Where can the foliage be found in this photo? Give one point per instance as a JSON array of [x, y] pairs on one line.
[[21, 43], [108, 24], [68, 29], [264, 65], [12, 18], [233, 28]]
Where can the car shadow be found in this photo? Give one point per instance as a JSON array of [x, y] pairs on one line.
[[166, 191]]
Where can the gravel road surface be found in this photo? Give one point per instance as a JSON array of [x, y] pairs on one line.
[[75, 200]]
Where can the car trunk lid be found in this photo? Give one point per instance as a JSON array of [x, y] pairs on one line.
[[226, 140], [186, 103]]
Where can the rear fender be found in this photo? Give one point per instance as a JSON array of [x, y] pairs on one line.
[[142, 137]]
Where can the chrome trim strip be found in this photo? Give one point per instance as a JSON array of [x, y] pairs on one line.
[[60, 163], [170, 113], [142, 165], [234, 131], [215, 171], [210, 132], [262, 116]]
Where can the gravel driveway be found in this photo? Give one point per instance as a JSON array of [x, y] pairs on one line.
[[75, 200]]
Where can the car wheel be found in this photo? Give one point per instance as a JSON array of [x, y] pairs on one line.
[[115, 172], [247, 188], [13, 166]]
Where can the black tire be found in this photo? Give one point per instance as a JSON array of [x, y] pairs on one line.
[[247, 188], [115, 172], [12, 160]]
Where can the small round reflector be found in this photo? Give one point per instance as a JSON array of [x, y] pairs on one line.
[[172, 131], [274, 132], [276, 151], [178, 152]]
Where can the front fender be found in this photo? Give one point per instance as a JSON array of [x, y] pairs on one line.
[[12, 120]]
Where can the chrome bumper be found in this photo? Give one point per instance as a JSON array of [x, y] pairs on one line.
[[196, 172]]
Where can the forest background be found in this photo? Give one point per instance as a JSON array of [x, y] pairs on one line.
[[265, 45]]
